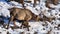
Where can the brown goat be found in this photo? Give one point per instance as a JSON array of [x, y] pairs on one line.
[[22, 14]]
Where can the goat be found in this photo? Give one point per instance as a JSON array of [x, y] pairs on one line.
[[22, 14]]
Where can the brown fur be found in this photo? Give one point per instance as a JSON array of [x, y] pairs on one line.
[[22, 14]]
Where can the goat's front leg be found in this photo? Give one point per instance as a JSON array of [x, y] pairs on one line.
[[10, 20]]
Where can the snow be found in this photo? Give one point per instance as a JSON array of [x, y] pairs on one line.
[[35, 26], [15, 4], [4, 13], [33, 10]]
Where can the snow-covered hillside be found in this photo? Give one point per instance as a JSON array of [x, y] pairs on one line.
[[40, 27]]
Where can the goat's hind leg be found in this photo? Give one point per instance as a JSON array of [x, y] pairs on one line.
[[26, 24]]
